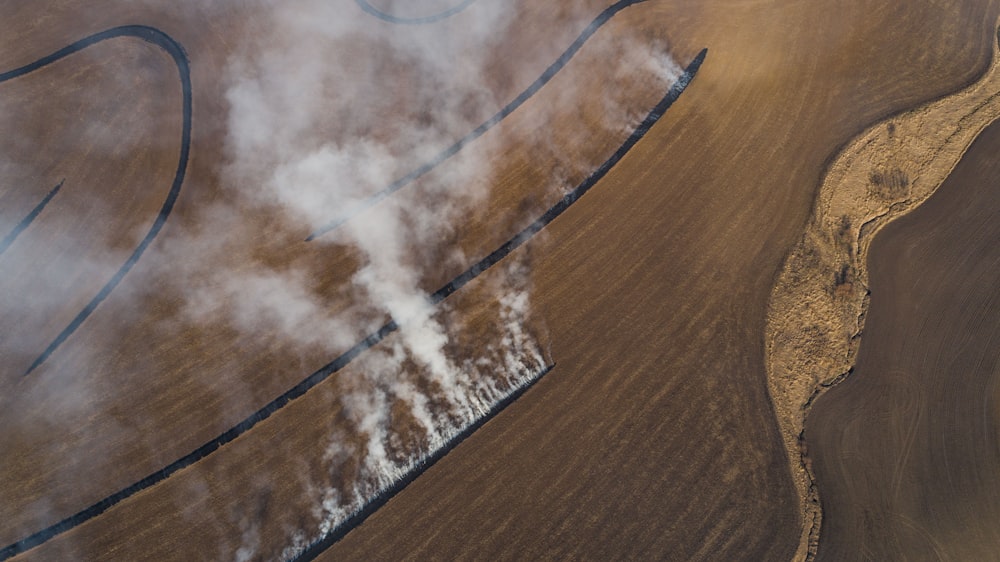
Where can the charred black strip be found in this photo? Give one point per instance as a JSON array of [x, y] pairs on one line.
[[380, 499], [371, 340], [176, 52], [340, 531], [550, 72], [26, 221], [433, 18]]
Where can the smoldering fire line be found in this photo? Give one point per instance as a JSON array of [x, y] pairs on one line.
[[418, 468], [176, 52], [29, 218], [371, 340], [433, 18], [549, 73]]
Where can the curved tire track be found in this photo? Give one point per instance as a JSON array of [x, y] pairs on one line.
[[371, 340], [176, 52], [384, 16], [550, 72]]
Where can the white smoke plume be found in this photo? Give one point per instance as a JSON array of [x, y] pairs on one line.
[[327, 109], [316, 127], [327, 106]]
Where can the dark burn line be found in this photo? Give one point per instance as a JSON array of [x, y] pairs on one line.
[[433, 18], [371, 340], [26, 221], [386, 494], [574, 196], [359, 517], [176, 52], [550, 72]]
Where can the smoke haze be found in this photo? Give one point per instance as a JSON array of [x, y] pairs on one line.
[[327, 106]]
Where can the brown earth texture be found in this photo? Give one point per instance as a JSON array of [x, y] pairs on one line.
[[499, 279]]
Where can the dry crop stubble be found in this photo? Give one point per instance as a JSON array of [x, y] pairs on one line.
[[168, 423], [57, 264], [653, 288]]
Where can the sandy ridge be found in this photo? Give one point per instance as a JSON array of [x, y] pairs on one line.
[[817, 308]]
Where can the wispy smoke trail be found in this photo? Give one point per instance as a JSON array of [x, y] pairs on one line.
[[308, 129], [326, 106]]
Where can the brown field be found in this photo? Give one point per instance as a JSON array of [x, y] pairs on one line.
[[653, 437], [905, 451]]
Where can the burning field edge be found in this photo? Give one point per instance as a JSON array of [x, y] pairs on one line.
[[371, 340], [418, 467]]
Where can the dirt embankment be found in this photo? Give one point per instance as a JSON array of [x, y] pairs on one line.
[[817, 309]]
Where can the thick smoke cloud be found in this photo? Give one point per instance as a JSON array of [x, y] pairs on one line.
[[329, 106], [326, 106]]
